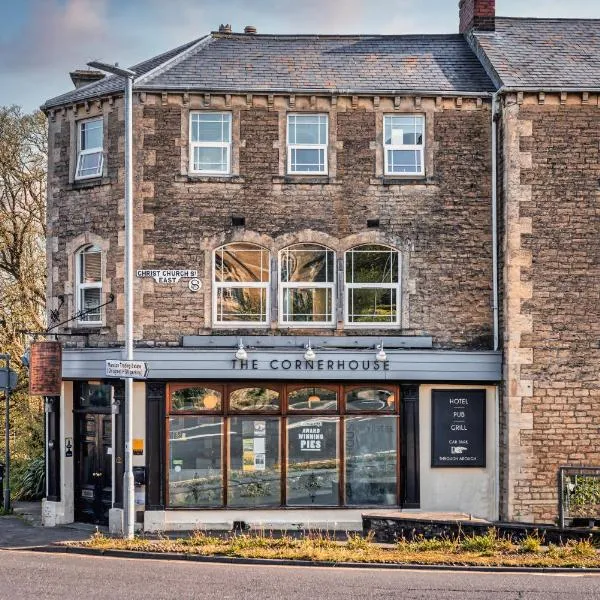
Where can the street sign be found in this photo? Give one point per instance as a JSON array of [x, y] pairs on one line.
[[8, 379], [136, 369]]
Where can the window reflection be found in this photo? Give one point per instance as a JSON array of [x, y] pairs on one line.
[[195, 398], [254, 399], [313, 461], [370, 399], [95, 395], [312, 398], [254, 463], [195, 477]]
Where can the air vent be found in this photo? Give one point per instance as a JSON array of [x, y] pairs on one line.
[[238, 221], [372, 223]]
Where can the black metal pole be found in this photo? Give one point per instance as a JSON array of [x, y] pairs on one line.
[[7, 438]]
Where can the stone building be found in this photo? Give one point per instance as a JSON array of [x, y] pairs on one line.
[[367, 276]]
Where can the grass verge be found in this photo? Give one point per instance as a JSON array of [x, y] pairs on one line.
[[483, 550]]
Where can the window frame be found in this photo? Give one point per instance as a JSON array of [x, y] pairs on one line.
[[216, 285], [282, 286], [295, 146], [95, 150], [81, 286], [414, 147], [349, 286], [193, 145]]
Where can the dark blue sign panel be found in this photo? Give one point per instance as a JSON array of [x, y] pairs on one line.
[[458, 428]]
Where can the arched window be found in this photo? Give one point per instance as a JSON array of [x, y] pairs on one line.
[[241, 285], [307, 285], [372, 285], [89, 285]]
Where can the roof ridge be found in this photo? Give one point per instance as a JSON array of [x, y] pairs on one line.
[[198, 44], [546, 19], [335, 36]]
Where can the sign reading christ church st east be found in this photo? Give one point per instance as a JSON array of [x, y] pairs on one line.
[[458, 428]]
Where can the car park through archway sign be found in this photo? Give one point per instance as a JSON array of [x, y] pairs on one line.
[[136, 369]]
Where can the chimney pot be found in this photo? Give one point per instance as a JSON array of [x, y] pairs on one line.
[[477, 14], [250, 30], [225, 28]]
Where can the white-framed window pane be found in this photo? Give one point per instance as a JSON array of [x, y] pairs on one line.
[[307, 159], [91, 134], [404, 161], [403, 130], [89, 164], [90, 300], [211, 127], [307, 129], [307, 305], [372, 264], [91, 267], [372, 305], [242, 263], [308, 264], [241, 304], [208, 158]]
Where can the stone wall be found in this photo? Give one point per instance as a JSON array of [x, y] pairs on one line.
[[552, 301], [441, 223]]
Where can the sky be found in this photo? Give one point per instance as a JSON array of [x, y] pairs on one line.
[[42, 40]]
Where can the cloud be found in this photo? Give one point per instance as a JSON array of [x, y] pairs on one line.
[[55, 31]]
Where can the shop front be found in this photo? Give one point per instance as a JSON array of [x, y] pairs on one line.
[[275, 440]]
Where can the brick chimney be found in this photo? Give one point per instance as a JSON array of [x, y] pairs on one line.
[[477, 14], [83, 77]]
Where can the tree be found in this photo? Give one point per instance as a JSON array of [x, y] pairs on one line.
[[23, 162]]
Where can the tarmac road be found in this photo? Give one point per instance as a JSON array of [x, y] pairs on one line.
[[43, 576]]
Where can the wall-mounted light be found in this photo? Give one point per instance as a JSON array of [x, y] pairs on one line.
[[310, 353], [241, 353], [381, 356]]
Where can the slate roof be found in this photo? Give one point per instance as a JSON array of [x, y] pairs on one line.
[[309, 63], [538, 53]]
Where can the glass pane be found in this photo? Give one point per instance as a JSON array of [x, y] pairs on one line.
[[307, 129], [254, 399], [312, 398], [307, 263], [242, 304], [404, 161], [195, 474], [211, 159], [307, 305], [91, 266], [91, 134], [90, 301], [90, 164], [313, 461], [308, 160], [372, 305], [211, 127], [95, 395], [254, 462], [371, 399], [372, 264], [196, 398], [242, 263], [371, 455], [403, 130]]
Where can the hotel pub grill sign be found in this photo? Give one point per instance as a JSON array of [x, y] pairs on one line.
[[458, 428]]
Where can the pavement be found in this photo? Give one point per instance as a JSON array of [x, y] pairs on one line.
[[24, 529]]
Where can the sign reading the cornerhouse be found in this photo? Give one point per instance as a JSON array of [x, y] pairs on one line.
[[458, 428]]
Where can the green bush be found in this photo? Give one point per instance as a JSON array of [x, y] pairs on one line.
[[29, 481]]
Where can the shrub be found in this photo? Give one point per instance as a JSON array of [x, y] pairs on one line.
[[30, 480], [532, 544]]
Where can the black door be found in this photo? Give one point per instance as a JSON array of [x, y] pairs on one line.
[[93, 468]]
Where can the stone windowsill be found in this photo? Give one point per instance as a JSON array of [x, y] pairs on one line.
[[305, 180], [84, 184], [403, 181], [209, 179]]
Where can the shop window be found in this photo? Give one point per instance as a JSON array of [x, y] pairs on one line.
[[313, 459], [241, 285], [90, 152], [89, 285], [186, 398], [254, 400], [307, 285], [316, 399], [371, 460], [254, 466], [372, 286], [307, 144], [195, 461], [368, 399], [210, 143], [403, 144]]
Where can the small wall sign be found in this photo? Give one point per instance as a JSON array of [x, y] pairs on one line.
[[68, 447], [458, 428], [168, 276]]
